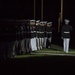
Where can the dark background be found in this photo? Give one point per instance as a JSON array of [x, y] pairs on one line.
[[24, 9]]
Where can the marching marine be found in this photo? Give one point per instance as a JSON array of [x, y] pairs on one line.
[[42, 34], [49, 34], [33, 35], [37, 34], [65, 35]]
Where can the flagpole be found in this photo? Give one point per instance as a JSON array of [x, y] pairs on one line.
[[42, 10], [61, 11], [59, 22], [34, 8], [60, 19]]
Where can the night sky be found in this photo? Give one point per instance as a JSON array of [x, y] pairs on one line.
[[23, 9]]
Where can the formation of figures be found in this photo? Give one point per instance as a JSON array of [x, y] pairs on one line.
[[23, 36]]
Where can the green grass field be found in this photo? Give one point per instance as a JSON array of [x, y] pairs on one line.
[[56, 50]]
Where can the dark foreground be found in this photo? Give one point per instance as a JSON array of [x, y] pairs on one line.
[[38, 65]]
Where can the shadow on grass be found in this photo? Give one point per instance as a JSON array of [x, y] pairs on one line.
[[55, 49]]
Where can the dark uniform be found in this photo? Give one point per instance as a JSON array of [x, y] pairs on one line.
[[20, 44], [33, 35], [66, 31], [11, 32], [42, 34], [37, 34], [65, 34], [49, 34], [7, 38], [17, 45], [45, 36], [24, 33], [28, 37]]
